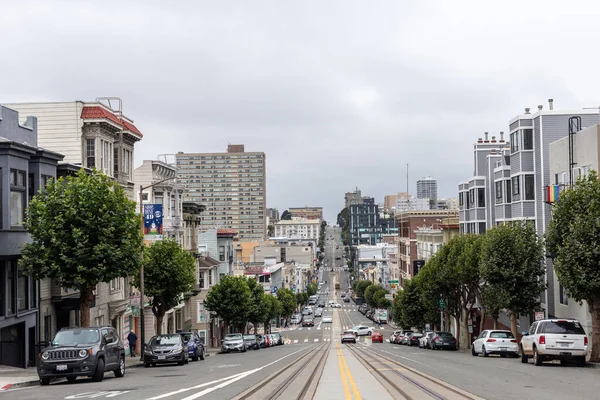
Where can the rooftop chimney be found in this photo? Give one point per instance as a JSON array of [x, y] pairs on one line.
[[551, 104], [486, 137], [501, 137], [479, 140], [540, 107], [493, 139], [527, 110]]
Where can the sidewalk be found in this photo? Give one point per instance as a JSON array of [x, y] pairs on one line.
[[11, 377]]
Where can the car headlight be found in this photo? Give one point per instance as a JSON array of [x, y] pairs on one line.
[[45, 355], [83, 353], [177, 349]]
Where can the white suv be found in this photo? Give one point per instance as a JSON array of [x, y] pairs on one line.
[[555, 339]]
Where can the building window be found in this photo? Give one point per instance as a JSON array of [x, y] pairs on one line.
[[127, 159], [30, 187], [45, 181], [528, 139], [562, 294], [99, 321], [178, 320], [515, 185], [508, 192], [515, 139], [106, 154], [115, 284], [529, 187], [499, 192], [22, 291], [480, 197], [221, 253], [201, 276], [10, 288], [18, 184], [210, 278], [472, 196], [32, 293], [90, 153]]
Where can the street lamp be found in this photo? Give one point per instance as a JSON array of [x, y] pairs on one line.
[[142, 326]]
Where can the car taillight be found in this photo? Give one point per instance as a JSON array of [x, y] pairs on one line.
[[585, 341], [436, 338], [513, 340], [490, 340], [542, 339]]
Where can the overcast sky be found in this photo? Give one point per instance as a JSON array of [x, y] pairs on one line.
[[338, 94]]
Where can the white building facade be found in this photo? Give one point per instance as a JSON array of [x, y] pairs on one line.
[[298, 229]]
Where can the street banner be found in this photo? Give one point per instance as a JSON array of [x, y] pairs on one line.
[[153, 221]]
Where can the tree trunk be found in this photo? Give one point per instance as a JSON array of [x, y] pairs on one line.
[[513, 326], [495, 323], [159, 322], [464, 341], [457, 323], [86, 296], [595, 309], [482, 320]]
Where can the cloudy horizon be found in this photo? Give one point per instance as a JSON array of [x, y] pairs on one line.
[[338, 94]]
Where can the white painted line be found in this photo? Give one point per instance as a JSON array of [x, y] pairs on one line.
[[295, 341], [316, 340], [309, 329], [299, 329], [306, 340]]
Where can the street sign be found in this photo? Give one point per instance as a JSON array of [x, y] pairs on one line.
[[442, 305], [393, 281], [539, 315]]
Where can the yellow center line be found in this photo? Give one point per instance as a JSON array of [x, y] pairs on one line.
[[347, 394], [351, 379]]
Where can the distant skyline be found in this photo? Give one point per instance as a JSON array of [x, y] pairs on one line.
[[337, 94]]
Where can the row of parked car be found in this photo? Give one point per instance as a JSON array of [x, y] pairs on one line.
[[546, 340], [242, 343]]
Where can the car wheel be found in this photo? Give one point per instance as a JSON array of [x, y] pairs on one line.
[[120, 371], [44, 381], [99, 373], [195, 358], [71, 379], [485, 354], [369, 333], [432, 346], [244, 350], [473, 352], [147, 365], [202, 355], [502, 355], [537, 358], [524, 358], [187, 360], [581, 361]]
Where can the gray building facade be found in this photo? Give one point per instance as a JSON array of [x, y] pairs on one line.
[[427, 189], [24, 170]]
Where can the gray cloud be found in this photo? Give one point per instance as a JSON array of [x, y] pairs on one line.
[[338, 94]]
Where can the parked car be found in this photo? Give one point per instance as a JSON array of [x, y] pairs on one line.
[[406, 338], [168, 348], [348, 336], [233, 341], [278, 339], [376, 337], [555, 339], [251, 342], [195, 346], [495, 342], [393, 335], [400, 336], [261, 340], [307, 311], [443, 340], [272, 340], [414, 339], [424, 340], [82, 352]]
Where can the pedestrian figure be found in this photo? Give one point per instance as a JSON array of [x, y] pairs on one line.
[[132, 339]]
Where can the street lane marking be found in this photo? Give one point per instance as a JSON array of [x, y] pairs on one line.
[[347, 394], [306, 340], [164, 395], [316, 340]]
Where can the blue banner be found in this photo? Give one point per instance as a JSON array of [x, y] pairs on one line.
[[153, 220]]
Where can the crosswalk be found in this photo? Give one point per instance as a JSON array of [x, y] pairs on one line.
[[318, 328]]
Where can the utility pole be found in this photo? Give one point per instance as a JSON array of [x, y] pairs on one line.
[[142, 322]]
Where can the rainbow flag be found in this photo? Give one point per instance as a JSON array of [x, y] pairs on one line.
[[552, 193]]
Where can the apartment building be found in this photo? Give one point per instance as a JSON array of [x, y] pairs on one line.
[[510, 179], [25, 168], [407, 202], [301, 252], [427, 189], [298, 228], [232, 187], [586, 157], [352, 198], [307, 212], [447, 203], [273, 215]]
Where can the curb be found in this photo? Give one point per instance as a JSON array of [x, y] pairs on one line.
[[19, 385], [592, 365]]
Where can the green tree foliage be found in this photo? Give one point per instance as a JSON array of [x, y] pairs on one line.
[[258, 309], [408, 311], [84, 231], [378, 298], [230, 300], [300, 300], [373, 294], [311, 289], [271, 230], [286, 216], [169, 271], [361, 287], [273, 310], [288, 302], [572, 241], [511, 265]]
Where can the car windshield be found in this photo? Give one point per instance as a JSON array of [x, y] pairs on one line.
[[563, 327], [166, 340], [417, 335], [76, 336], [187, 336], [502, 335], [348, 333], [445, 335], [249, 337], [234, 336]]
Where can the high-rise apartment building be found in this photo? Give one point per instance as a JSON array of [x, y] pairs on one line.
[[273, 214], [351, 198], [232, 187], [427, 189]]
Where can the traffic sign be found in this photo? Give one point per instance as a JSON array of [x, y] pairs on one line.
[[442, 305], [393, 281]]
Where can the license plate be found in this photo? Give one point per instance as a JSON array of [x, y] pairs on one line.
[[61, 367], [162, 357], [503, 349], [564, 345], [564, 353]]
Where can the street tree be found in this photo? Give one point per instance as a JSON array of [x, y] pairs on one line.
[[469, 278], [271, 230], [229, 300], [512, 266], [300, 299], [370, 294], [311, 289], [409, 307], [169, 271], [273, 310], [288, 302], [378, 298], [572, 241], [361, 286], [257, 307], [286, 216], [84, 230]]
